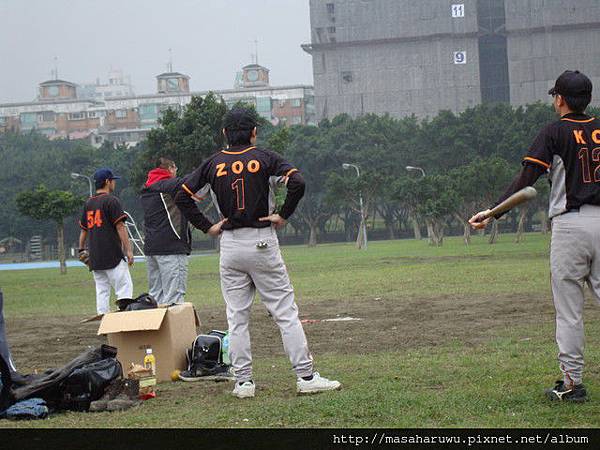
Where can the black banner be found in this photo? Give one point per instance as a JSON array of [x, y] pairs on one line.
[[242, 439]]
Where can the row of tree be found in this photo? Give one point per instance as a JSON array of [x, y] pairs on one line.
[[465, 161]]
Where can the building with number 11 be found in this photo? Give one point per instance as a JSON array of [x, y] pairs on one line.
[[418, 57]]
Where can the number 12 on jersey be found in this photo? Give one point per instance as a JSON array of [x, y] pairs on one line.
[[584, 157], [238, 188]]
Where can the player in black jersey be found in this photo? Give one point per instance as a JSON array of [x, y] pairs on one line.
[[103, 227], [241, 178], [569, 151]]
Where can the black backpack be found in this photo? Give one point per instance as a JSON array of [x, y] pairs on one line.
[[144, 301], [206, 351]]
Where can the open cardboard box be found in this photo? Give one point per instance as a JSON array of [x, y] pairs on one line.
[[167, 331]]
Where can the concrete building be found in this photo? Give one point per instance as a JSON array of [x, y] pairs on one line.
[[118, 86], [60, 113], [417, 57]]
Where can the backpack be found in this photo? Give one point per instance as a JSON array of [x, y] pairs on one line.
[[205, 359], [143, 301]]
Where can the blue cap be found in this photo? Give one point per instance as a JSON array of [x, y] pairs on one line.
[[101, 175]]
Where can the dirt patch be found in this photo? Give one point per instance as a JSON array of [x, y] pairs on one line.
[[387, 325]]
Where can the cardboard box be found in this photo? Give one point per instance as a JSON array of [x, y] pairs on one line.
[[167, 331]]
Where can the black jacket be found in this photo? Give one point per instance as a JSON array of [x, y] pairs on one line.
[[166, 230]]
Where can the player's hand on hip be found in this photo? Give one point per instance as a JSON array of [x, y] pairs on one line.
[[480, 220], [276, 220], [130, 259], [216, 229]]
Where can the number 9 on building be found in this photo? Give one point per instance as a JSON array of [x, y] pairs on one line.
[[460, 57]]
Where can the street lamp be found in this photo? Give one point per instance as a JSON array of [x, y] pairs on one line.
[[360, 243], [77, 175], [409, 168]]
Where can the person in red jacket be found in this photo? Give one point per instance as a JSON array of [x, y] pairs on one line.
[[167, 235]]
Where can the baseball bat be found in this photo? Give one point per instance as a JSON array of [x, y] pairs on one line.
[[519, 197]]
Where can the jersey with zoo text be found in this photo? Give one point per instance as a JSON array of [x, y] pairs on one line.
[[241, 179]]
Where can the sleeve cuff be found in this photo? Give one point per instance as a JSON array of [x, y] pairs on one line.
[[529, 159], [120, 218]]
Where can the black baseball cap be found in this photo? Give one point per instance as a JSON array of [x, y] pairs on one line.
[[238, 119], [101, 175], [572, 83]]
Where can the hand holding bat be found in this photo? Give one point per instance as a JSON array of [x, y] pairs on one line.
[[482, 218]]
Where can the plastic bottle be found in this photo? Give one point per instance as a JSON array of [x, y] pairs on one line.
[[225, 350], [150, 361]]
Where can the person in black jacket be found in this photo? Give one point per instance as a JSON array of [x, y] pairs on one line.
[[168, 239]]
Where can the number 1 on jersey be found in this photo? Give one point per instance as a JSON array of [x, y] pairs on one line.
[[238, 187]]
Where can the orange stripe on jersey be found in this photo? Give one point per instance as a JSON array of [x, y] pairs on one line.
[[291, 171], [191, 194], [124, 216], [238, 153], [537, 161], [579, 121]]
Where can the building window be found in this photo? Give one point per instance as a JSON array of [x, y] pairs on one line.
[[2, 120], [296, 120], [120, 114], [330, 8], [296, 103], [347, 76], [53, 91], [172, 84], [46, 116], [263, 104], [92, 114], [77, 116], [331, 30]]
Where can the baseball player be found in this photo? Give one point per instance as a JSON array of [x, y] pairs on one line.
[[250, 259], [103, 222], [168, 239], [569, 150]]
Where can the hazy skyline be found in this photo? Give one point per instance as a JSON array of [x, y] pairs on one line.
[[210, 40]]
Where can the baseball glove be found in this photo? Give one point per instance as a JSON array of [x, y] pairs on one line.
[[84, 257]]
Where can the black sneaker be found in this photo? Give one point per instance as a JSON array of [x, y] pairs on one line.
[[219, 372], [561, 393]]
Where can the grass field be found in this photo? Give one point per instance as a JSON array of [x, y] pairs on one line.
[[451, 337]]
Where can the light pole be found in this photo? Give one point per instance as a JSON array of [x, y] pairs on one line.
[[77, 175], [429, 227], [409, 168], [360, 243]]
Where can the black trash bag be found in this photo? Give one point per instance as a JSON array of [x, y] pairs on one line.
[[50, 386], [144, 301], [88, 383]]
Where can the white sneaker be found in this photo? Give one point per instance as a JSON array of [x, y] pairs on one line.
[[244, 390], [317, 384]]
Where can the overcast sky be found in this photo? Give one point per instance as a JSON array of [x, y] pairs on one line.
[[210, 40]]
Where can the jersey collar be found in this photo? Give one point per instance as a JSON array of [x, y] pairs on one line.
[[577, 118], [238, 150]]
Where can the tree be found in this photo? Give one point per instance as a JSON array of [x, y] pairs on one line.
[[187, 137], [437, 200], [30, 158], [42, 204]]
